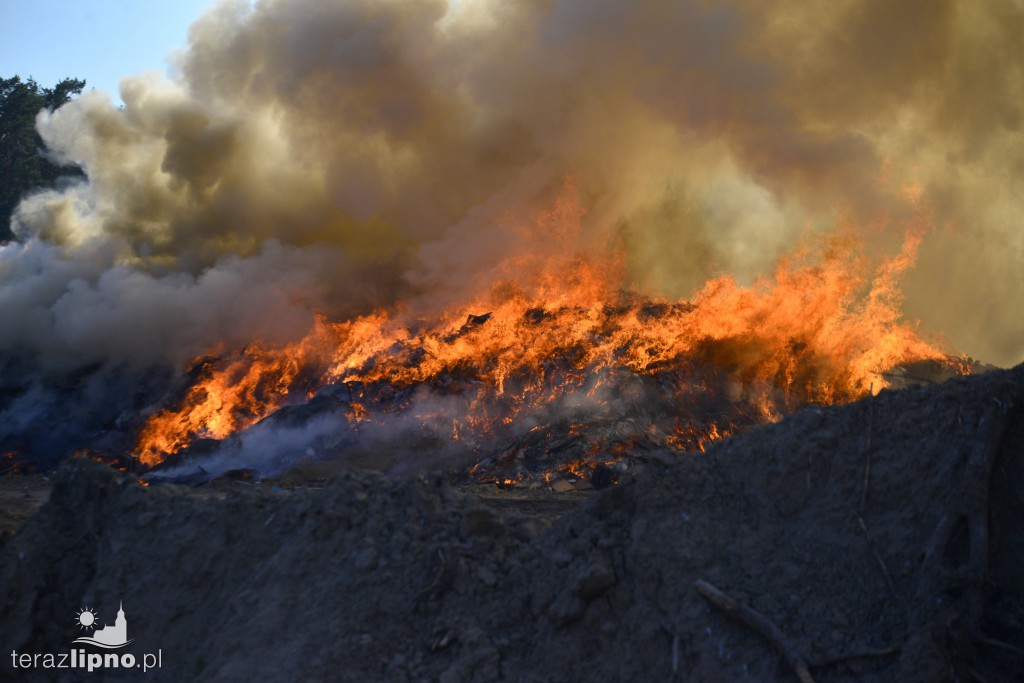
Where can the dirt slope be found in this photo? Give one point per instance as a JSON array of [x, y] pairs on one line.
[[408, 579]]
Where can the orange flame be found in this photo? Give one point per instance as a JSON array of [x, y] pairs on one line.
[[821, 330]]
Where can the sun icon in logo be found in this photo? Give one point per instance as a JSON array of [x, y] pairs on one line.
[[87, 618]]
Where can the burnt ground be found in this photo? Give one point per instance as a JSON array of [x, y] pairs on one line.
[[917, 576]]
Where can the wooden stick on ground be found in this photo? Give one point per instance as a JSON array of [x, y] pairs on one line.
[[675, 656], [867, 450], [982, 640], [757, 621], [864, 654]]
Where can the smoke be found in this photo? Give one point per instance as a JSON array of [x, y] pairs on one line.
[[334, 156], [427, 431]]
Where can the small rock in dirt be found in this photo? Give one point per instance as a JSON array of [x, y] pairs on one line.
[[367, 559], [477, 661], [579, 547], [566, 609], [540, 602], [596, 578], [480, 522], [562, 558], [530, 528], [486, 576]]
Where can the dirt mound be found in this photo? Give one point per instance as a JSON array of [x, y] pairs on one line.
[[882, 539]]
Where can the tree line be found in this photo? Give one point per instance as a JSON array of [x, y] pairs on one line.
[[22, 164]]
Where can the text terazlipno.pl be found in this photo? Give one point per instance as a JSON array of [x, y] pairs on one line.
[[80, 659]]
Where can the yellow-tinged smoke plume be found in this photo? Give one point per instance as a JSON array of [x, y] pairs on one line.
[[338, 155]]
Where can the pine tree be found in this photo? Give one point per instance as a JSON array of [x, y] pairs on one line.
[[22, 165]]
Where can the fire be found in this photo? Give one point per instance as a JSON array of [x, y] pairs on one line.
[[118, 461], [559, 327], [231, 396], [695, 438]]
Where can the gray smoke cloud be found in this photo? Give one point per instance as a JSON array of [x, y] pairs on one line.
[[337, 155]]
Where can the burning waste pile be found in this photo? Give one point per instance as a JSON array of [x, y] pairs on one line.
[[565, 373], [512, 240]]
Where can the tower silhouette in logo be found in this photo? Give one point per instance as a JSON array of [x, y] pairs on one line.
[[110, 636]]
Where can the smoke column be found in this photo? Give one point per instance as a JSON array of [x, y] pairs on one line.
[[336, 156]]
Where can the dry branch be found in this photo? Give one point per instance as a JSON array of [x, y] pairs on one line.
[[675, 656], [867, 450], [864, 654], [991, 642], [757, 621]]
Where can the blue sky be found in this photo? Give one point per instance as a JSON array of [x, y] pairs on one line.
[[98, 40]]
